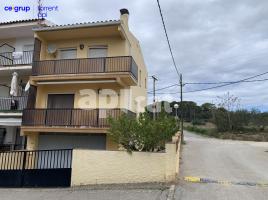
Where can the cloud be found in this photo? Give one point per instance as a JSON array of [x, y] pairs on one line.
[[212, 40]]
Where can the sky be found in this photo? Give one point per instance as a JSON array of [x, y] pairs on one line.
[[212, 41]]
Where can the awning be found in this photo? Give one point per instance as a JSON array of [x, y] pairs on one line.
[[10, 121]]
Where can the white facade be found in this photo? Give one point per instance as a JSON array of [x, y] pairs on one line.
[[16, 53]]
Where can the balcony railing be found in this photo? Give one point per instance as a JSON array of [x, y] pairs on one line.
[[7, 58], [86, 65], [13, 103], [97, 118]]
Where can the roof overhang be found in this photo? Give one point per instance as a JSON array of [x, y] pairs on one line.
[[93, 30], [75, 26], [21, 28], [16, 30]]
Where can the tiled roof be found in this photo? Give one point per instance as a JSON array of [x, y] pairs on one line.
[[85, 23], [20, 21], [78, 25]]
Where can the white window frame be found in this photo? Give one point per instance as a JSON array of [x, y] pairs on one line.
[[97, 47], [66, 49]]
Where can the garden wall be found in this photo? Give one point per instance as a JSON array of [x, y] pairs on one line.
[[107, 167]]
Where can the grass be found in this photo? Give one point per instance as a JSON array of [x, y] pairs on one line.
[[212, 132], [203, 131]]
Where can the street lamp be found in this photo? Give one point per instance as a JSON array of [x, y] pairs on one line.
[[176, 106]]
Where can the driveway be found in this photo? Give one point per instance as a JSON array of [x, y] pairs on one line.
[[236, 162]]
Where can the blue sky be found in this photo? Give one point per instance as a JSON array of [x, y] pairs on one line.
[[213, 40]]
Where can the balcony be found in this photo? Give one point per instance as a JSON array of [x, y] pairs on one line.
[[107, 67], [7, 59], [13, 104], [95, 118]]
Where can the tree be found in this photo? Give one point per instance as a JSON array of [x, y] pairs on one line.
[[240, 119], [207, 110], [259, 119], [221, 120], [229, 103]]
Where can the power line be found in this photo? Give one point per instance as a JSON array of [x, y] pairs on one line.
[[174, 63], [208, 83], [168, 41], [163, 88], [227, 84], [216, 83]]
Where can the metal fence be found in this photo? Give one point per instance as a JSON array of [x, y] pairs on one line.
[[13, 103], [86, 65], [39, 159], [7, 58], [41, 168], [71, 117]]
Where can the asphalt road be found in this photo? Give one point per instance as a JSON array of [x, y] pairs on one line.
[[223, 160]]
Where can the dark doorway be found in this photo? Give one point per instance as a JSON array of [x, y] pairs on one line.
[[60, 101], [59, 109]]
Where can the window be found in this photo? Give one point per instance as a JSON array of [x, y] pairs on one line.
[[140, 78], [145, 83], [28, 47], [68, 54], [97, 52], [60, 101]]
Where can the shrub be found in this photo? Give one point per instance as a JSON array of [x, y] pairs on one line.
[[221, 120], [198, 122], [203, 131], [144, 133]]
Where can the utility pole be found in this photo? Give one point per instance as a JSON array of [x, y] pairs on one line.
[[154, 102], [181, 85]]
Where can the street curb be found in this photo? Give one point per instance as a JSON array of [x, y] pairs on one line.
[[171, 192]]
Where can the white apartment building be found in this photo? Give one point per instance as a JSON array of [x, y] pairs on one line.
[[16, 52]]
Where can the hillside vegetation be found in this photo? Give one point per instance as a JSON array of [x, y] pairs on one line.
[[225, 120]]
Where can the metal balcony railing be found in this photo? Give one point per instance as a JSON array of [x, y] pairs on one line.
[[71, 117], [13, 103], [86, 66], [7, 58]]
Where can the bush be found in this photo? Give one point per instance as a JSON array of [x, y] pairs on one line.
[[198, 122], [203, 131], [144, 133], [221, 120]]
